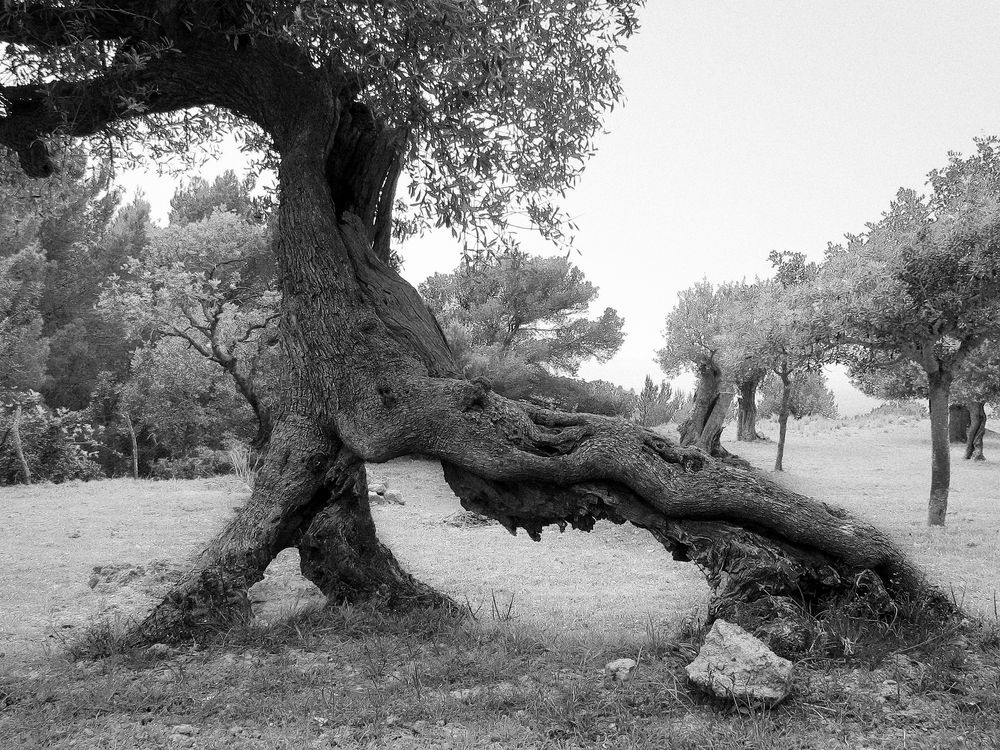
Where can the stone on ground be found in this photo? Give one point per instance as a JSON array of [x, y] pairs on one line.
[[735, 665], [620, 670]]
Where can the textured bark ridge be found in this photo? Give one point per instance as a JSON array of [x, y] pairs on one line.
[[775, 560], [959, 420], [342, 555], [939, 383], [977, 431], [746, 415], [703, 428]]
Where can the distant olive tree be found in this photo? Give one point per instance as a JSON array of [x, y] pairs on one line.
[[923, 284]]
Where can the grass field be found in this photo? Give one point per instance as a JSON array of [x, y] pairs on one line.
[[525, 672]]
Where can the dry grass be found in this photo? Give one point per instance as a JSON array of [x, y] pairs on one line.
[[880, 469], [525, 672]]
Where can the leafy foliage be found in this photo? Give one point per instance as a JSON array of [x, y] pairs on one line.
[[498, 103], [521, 316], [23, 349], [59, 445], [198, 199], [183, 401], [209, 283], [809, 396], [698, 329], [923, 283], [978, 378], [657, 404]]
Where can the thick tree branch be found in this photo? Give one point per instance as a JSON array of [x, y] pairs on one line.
[[517, 446]]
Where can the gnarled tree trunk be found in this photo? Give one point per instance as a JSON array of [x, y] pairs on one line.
[[746, 414], [377, 376], [959, 420], [311, 493], [977, 431], [370, 377], [703, 428]]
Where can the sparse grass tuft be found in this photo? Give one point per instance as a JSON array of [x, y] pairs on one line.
[[101, 639]]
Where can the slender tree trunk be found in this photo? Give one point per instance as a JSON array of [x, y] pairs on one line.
[[958, 423], [977, 431], [939, 390], [783, 411], [248, 390], [746, 418], [18, 447], [135, 446]]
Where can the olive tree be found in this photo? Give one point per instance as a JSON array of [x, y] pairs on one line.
[[923, 285], [491, 109]]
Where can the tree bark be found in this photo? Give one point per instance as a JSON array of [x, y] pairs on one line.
[[746, 418], [312, 493], [135, 446], [18, 447], [959, 420], [703, 428], [977, 431], [783, 411], [939, 383]]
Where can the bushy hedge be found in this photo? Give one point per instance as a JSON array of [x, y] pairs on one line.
[[201, 462], [58, 444]]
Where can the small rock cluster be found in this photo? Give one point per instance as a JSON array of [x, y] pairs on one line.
[[380, 494]]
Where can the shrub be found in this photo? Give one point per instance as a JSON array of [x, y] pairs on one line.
[[571, 394], [58, 444], [200, 462]]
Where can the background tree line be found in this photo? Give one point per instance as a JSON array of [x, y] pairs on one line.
[[911, 307], [131, 348]]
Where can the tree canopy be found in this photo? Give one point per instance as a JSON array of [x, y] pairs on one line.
[[491, 109], [529, 309]]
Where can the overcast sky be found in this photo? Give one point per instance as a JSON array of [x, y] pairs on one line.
[[753, 125]]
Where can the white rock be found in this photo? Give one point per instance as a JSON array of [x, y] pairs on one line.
[[378, 488], [393, 497], [620, 670], [733, 664], [158, 650]]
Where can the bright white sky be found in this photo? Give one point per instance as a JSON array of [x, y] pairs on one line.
[[753, 125]]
